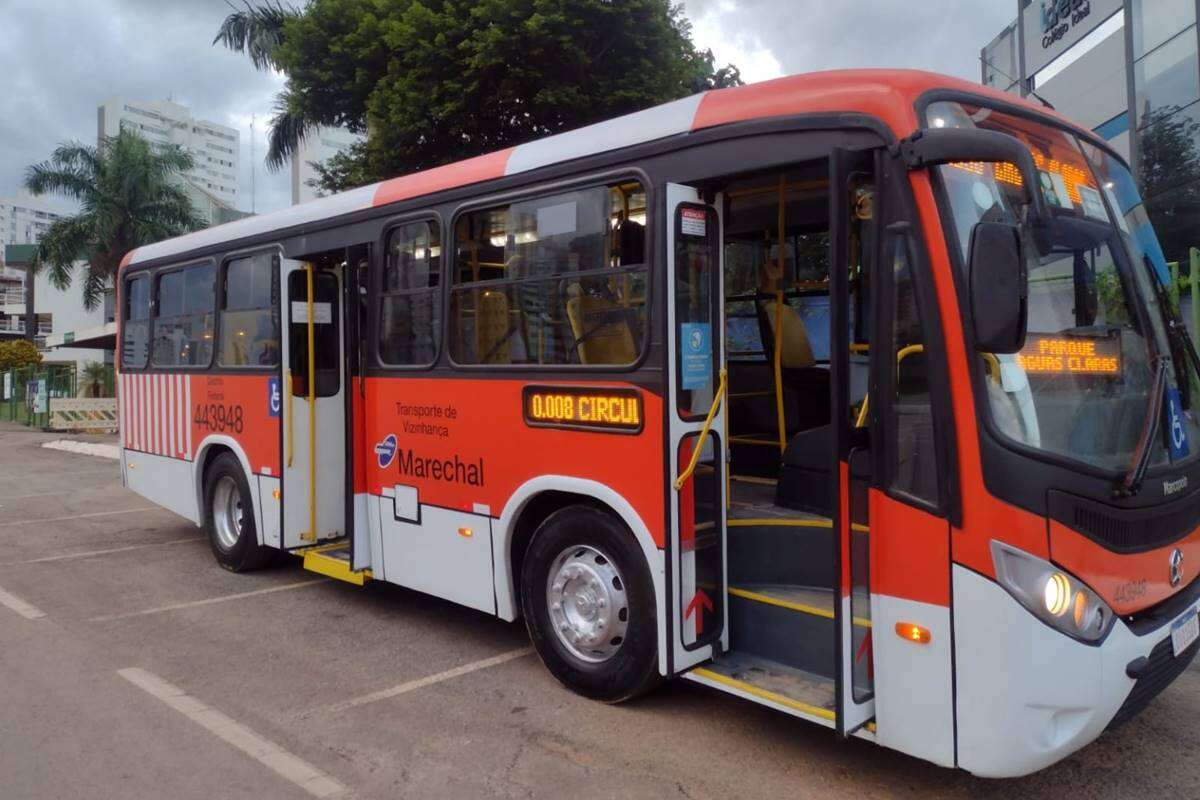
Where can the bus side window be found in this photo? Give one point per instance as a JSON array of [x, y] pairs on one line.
[[135, 323], [183, 317], [913, 455], [552, 279], [410, 303], [327, 349], [249, 325]]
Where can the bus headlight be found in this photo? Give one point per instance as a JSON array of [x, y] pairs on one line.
[[1060, 600]]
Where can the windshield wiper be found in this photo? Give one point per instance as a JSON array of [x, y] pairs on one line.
[[1132, 481]]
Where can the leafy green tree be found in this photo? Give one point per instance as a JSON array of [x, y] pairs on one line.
[[17, 353], [1169, 178], [434, 81], [129, 197]]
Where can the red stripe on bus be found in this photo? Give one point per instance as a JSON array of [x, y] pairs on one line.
[[450, 176]]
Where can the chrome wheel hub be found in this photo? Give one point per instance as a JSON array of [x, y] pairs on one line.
[[227, 512], [585, 594]]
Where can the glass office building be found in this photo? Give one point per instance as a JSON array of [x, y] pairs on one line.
[[1130, 71]]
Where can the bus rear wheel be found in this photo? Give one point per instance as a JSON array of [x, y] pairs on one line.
[[229, 517], [588, 603]]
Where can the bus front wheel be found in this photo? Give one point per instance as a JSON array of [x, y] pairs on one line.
[[588, 603], [229, 517]]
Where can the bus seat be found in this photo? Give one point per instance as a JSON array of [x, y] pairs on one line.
[[808, 382], [491, 328], [804, 479], [601, 329], [631, 242], [797, 351]]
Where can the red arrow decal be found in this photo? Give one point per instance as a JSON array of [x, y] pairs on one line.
[[700, 599]]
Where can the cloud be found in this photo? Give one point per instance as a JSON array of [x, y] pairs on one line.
[[63, 58], [768, 38]]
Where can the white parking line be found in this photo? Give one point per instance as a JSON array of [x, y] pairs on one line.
[[20, 606], [90, 553], [81, 516], [430, 680], [262, 750], [195, 603]]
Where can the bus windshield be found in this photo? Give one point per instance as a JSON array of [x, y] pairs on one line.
[[1081, 387]]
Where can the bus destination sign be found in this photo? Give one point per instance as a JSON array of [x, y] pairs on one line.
[[1047, 354], [599, 409]]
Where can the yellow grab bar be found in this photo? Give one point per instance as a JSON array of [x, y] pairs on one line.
[[712, 412], [291, 420]]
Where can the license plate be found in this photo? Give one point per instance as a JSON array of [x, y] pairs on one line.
[[1184, 631]]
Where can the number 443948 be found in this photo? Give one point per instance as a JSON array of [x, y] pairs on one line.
[[219, 417]]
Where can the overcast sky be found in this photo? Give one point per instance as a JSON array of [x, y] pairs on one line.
[[59, 59]]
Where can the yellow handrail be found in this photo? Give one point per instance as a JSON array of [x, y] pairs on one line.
[[901, 354], [712, 412], [312, 413], [861, 422], [993, 365], [291, 424], [905, 352], [782, 264]]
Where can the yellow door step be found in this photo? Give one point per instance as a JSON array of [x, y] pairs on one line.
[[333, 561]]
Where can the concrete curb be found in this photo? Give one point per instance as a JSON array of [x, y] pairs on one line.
[[85, 448]]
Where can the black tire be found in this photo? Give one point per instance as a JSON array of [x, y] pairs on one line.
[[632, 669], [245, 553]]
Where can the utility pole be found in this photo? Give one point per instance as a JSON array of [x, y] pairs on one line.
[[253, 168]]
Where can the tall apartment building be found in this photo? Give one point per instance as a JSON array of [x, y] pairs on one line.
[[318, 146], [23, 220], [214, 147]]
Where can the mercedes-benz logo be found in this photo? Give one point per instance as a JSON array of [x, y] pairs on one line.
[[1176, 563]]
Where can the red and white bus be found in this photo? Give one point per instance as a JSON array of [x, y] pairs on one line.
[[853, 394]]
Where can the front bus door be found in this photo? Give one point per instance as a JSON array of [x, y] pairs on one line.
[[853, 242], [696, 554], [314, 425]]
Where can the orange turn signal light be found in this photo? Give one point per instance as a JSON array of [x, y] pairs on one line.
[[913, 632], [466, 532], [275, 493]]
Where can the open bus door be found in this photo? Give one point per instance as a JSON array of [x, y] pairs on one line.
[[696, 566], [851, 171], [314, 428]]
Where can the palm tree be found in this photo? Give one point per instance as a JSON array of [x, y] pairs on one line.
[[258, 32], [129, 197], [95, 378]]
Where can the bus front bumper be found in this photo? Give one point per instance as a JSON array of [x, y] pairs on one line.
[[1028, 695]]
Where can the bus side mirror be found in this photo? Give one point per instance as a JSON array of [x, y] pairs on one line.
[[931, 147], [998, 288]]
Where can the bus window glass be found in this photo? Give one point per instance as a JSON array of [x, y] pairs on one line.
[[1080, 387], [697, 232], [249, 327], [913, 455], [183, 322], [135, 325], [409, 305], [552, 280]]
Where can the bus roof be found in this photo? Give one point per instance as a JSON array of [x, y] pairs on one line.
[[888, 94]]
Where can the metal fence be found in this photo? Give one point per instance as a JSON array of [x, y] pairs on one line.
[[25, 392]]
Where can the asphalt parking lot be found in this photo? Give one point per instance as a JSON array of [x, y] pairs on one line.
[[131, 666]]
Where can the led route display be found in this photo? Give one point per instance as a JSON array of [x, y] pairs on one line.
[[1046, 354], [601, 409]]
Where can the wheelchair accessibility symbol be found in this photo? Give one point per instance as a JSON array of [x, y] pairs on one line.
[[274, 397], [1176, 430]]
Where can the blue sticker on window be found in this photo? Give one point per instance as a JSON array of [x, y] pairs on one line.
[[696, 354], [274, 397], [1177, 441]]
